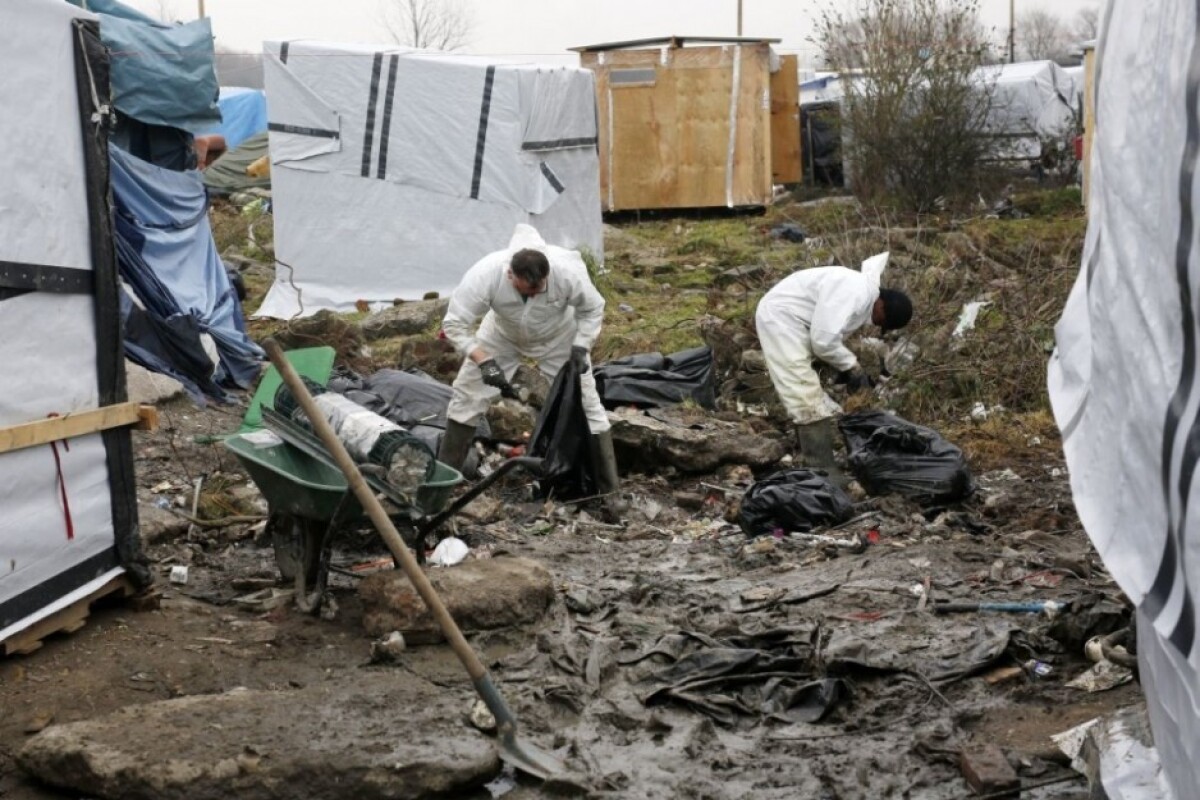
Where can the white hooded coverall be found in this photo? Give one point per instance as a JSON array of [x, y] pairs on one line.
[[805, 316], [543, 328]]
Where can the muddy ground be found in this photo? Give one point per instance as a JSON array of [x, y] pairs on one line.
[[621, 589], [860, 691]]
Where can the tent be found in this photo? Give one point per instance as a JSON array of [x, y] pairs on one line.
[[243, 114], [68, 510], [393, 170], [1032, 102], [1123, 379]]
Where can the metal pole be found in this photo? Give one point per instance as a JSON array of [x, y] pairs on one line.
[[1012, 31], [739, 33]]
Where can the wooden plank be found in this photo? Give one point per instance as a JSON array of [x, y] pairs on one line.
[[53, 429], [702, 136], [65, 620], [1089, 117], [786, 163], [752, 152]]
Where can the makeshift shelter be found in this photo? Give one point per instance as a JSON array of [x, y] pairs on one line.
[[712, 124], [1123, 380], [243, 115], [68, 508], [393, 170], [1032, 103]]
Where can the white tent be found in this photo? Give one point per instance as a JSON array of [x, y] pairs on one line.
[[393, 170], [1124, 379], [68, 512], [1031, 102]]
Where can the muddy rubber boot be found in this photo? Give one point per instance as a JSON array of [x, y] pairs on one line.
[[608, 482], [816, 450], [456, 444]]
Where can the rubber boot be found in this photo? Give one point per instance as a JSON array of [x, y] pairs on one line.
[[608, 481], [816, 450], [456, 444]]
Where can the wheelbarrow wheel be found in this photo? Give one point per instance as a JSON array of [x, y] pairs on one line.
[[297, 544]]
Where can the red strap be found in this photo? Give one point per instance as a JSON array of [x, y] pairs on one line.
[[62, 483]]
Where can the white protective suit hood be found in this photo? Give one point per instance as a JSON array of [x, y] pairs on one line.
[[828, 302]]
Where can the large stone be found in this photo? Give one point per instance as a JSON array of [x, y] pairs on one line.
[[482, 594], [405, 319], [159, 525], [431, 355], [691, 441], [533, 382], [377, 736]]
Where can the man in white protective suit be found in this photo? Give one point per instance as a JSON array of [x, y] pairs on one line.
[[805, 317], [536, 301]]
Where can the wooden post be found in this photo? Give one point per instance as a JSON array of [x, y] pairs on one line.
[[1012, 30], [739, 33], [201, 2]]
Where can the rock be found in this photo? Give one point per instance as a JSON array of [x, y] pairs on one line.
[[149, 388], [691, 501], [753, 361], [988, 772], [753, 272], [511, 421], [323, 328], [432, 355], [698, 443], [534, 382], [405, 319], [482, 718], [482, 510], [158, 524], [481, 595], [324, 742]]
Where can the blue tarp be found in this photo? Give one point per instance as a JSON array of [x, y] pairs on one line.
[[161, 74], [243, 114], [167, 255]]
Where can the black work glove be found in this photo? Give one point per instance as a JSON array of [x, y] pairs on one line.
[[494, 376], [579, 357], [856, 381]]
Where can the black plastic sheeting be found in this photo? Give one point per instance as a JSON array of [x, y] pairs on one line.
[[410, 398], [796, 500], [564, 441], [891, 455], [652, 380], [768, 674]]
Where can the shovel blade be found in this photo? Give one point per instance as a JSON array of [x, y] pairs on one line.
[[530, 758]]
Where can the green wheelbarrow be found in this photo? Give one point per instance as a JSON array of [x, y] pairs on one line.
[[309, 501]]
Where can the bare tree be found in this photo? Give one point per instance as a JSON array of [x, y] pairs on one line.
[[167, 12], [1041, 35], [427, 24], [914, 113], [1086, 26]]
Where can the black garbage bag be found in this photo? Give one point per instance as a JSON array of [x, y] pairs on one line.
[[563, 441], [795, 500], [891, 455], [652, 380]]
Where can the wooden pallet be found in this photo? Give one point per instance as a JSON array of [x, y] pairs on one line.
[[65, 620]]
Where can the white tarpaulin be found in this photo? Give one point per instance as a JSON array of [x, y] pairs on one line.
[[67, 510], [1031, 101], [393, 170], [1125, 379]]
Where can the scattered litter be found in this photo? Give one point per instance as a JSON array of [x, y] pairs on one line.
[[482, 718], [1101, 677], [1050, 608], [261, 439], [625, 308], [1002, 675], [1117, 755], [968, 317], [266, 600], [789, 232], [449, 551], [857, 545], [388, 649], [1038, 669], [987, 771], [179, 575]]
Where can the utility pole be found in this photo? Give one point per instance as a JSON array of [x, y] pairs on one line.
[[1012, 31], [739, 17], [201, 2]]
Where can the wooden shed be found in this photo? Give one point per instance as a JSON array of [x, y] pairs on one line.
[[694, 122]]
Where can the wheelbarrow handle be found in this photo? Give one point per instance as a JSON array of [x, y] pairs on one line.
[[532, 465]]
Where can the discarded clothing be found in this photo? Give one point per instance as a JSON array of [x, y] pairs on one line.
[[889, 454], [796, 500], [652, 380]]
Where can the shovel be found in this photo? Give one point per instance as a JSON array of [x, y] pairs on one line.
[[520, 754]]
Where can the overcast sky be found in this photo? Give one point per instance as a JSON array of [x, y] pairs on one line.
[[547, 27]]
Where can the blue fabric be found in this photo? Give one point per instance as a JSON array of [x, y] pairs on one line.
[[161, 74], [166, 254], [243, 114]]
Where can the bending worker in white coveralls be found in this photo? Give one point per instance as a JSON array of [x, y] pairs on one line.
[[805, 317], [538, 302]]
